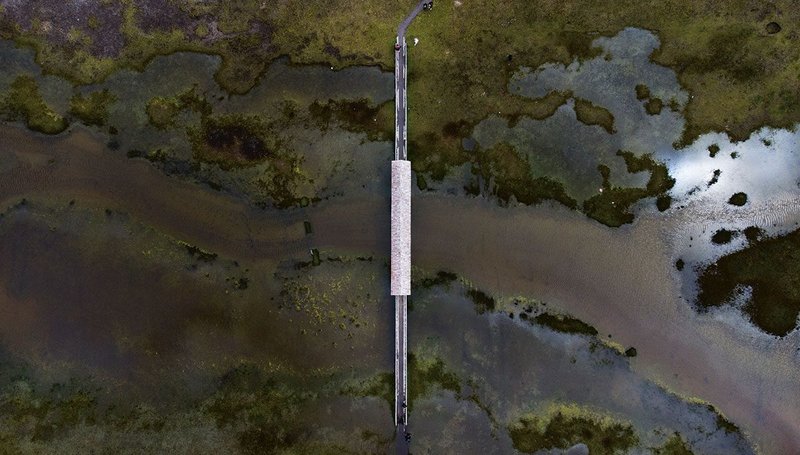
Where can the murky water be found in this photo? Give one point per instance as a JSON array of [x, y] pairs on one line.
[[115, 296]]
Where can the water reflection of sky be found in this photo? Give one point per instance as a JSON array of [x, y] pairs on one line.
[[562, 147]]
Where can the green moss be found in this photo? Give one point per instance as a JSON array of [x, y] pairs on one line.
[[675, 445], [653, 106], [722, 237], [359, 115], [611, 206], [738, 199], [663, 202], [642, 92], [771, 267], [24, 102], [381, 386], [268, 408], [441, 278], [427, 375], [753, 233], [483, 302], [162, 112], [233, 140], [199, 253], [511, 174], [590, 114], [565, 324], [92, 109], [532, 433]]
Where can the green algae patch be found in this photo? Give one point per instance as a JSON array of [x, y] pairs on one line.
[[566, 426], [426, 375], [233, 140], [738, 199], [162, 111], [722, 237], [653, 106], [377, 122], [511, 174], [753, 233], [442, 278], [262, 410], [591, 114], [380, 386], [565, 324], [611, 206], [24, 102], [675, 445], [483, 301], [198, 253], [92, 108], [663, 202], [770, 267], [642, 92]]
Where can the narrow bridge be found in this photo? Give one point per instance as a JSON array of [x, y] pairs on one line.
[[401, 236]]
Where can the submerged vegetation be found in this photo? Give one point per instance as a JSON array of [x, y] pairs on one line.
[[162, 111], [377, 122], [612, 206], [565, 324], [591, 114], [769, 267], [24, 102], [567, 426], [507, 173], [92, 108]]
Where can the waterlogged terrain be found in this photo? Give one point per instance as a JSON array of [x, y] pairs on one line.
[[193, 257]]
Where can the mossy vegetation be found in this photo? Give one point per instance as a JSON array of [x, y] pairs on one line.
[[92, 108], [483, 302], [509, 174], [591, 114], [566, 427], [426, 375], [442, 278], [642, 92], [722, 236], [770, 268], [261, 410], [675, 445], [380, 385], [565, 324], [162, 111], [738, 199], [199, 253], [753, 233], [653, 106], [24, 102], [376, 121], [611, 206]]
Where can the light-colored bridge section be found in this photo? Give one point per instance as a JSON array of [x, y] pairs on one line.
[[401, 228], [401, 234]]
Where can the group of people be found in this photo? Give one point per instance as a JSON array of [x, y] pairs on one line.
[[427, 6]]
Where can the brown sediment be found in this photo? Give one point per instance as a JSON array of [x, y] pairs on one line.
[[83, 168]]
